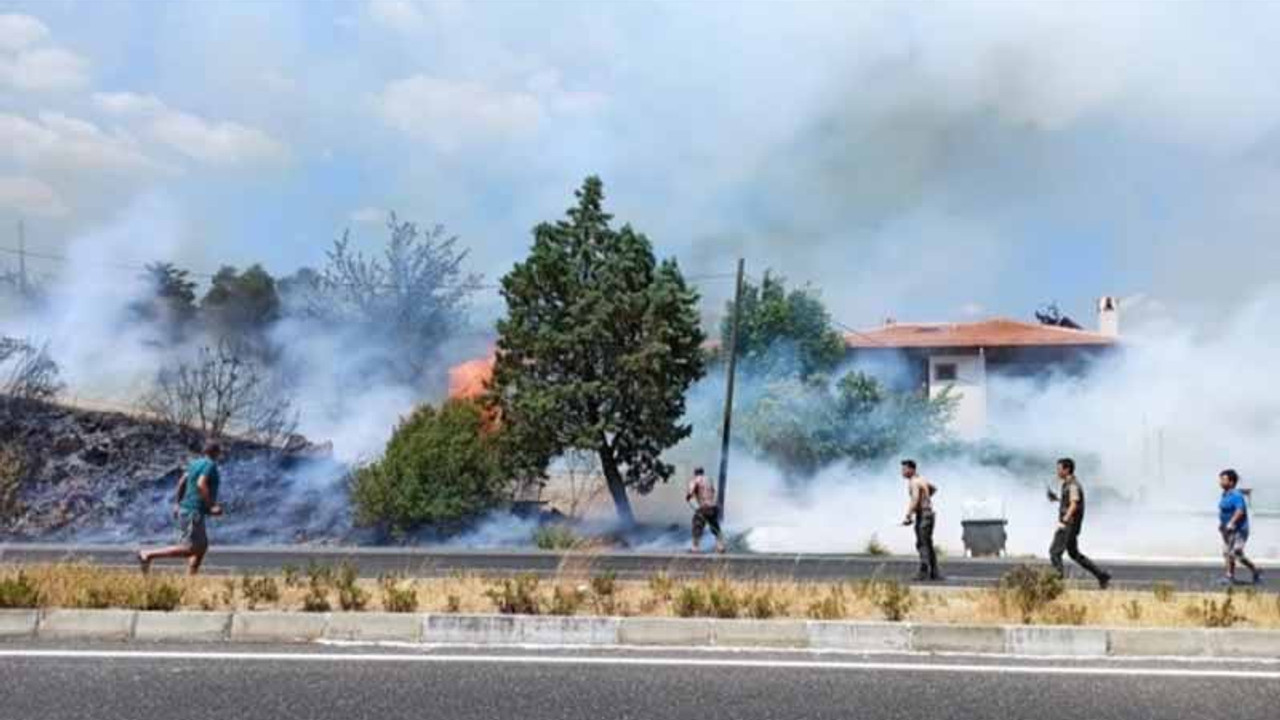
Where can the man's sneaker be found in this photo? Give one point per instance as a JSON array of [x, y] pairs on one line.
[[1104, 581], [1257, 577]]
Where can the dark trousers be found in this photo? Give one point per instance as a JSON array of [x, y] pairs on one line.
[[1068, 540], [705, 518], [924, 544]]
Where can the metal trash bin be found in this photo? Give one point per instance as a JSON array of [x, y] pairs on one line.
[[984, 538]]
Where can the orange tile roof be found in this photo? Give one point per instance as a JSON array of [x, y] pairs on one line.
[[998, 332]]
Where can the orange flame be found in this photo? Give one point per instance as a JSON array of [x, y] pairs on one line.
[[467, 380]]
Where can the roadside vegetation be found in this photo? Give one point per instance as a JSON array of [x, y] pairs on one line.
[[1025, 596]]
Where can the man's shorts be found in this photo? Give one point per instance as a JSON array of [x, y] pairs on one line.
[[192, 532], [703, 517], [1233, 542]]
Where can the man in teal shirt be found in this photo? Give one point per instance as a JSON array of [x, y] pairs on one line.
[[196, 498]]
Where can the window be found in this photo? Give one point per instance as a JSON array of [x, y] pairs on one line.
[[945, 372]]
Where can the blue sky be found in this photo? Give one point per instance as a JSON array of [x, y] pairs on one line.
[[921, 160]]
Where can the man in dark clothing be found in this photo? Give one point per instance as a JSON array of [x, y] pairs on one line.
[[705, 512], [1070, 499], [920, 513], [195, 499]]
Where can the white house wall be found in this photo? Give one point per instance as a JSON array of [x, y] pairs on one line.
[[970, 386]]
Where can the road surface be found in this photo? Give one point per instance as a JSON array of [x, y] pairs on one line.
[[418, 562], [346, 683]]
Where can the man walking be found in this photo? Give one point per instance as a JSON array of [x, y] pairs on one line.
[[1070, 499], [196, 498], [920, 512], [1233, 524], [705, 512]]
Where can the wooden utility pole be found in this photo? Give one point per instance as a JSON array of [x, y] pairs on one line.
[[728, 395]]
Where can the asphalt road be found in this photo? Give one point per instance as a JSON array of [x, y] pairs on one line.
[[117, 683], [419, 562]]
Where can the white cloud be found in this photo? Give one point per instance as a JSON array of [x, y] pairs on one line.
[[27, 62], [61, 142], [18, 32], [401, 15], [212, 142], [449, 114], [368, 215], [29, 196]]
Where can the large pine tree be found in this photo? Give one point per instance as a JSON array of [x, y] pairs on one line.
[[599, 346]]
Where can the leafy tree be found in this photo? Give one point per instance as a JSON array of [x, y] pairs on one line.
[[241, 304], [169, 302], [783, 332], [600, 343], [440, 466], [805, 426], [412, 298]]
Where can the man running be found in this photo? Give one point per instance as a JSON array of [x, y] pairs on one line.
[[195, 499], [1233, 524], [920, 512], [1070, 501], [705, 512]]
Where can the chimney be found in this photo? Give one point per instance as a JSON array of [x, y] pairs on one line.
[[1109, 316]]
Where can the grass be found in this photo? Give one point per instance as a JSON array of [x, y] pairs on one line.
[[320, 589]]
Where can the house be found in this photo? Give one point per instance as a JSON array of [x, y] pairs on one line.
[[965, 358]]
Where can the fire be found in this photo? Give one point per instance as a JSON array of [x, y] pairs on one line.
[[467, 380]]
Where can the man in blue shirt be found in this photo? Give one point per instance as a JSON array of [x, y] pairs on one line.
[[1233, 524], [196, 498]]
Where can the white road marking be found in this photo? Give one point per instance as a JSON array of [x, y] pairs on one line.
[[679, 662]]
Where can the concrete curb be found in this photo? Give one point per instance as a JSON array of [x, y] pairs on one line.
[[297, 627]]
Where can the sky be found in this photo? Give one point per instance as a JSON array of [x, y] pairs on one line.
[[926, 161]]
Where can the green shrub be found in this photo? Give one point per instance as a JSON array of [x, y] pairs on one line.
[[1028, 590], [691, 601], [723, 602], [556, 537], [440, 466], [291, 574], [351, 597], [894, 600], [160, 595], [515, 596], [1163, 591], [1133, 610], [259, 590], [876, 548], [661, 585], [605, 585], [453, 603], [397, 598], [19, 592], [1220, 615], [317, 597], [762, 605]]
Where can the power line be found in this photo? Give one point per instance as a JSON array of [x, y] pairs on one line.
[[22, 254]]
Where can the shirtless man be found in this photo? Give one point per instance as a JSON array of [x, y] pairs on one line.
[[920, 513], [705, 512]]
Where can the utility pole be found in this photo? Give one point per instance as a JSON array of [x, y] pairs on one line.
[[728, 395], [22, 260]]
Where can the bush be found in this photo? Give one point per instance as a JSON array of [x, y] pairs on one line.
[[556, 537], [661, 585], [396, 598], [894, 600], [604, 592], [290, 574], [440, 466], [452, 603], [19, 592], [1133, 610], [1163, 591], [259, 591], [876, 548], [723, 601], [1029, 590], [831, 607], [351, 597], [515, 596], [1066, 614], [691, 601], [762, 605], [565, 601], [159, 595], [1220, 615]]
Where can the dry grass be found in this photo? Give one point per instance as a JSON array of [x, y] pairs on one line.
[[576, 589]]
